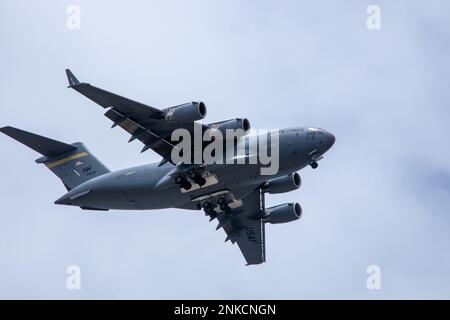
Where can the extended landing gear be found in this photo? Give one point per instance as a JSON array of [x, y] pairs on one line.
[[183, 182], [190, 181], [313, 164], [218, 203], [210, 207], [223, 205], [198, 179]]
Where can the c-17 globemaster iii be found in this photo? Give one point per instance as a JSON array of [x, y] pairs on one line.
[[230, 189]]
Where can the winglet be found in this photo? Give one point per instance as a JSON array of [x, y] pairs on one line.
[[73, 81]]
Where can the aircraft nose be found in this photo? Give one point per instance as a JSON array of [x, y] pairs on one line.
[[328, 140]]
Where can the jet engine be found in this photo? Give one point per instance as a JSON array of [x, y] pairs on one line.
[[283, 184], [283, 213], [185, 113], [238, 123]]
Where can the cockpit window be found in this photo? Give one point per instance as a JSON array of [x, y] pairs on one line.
[[311, 135]]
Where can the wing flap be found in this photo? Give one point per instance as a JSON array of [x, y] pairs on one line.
[[149, 138]]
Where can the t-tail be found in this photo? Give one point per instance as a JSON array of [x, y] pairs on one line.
[[72, 163]]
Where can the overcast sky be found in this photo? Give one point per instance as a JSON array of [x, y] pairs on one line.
[[380, 196]]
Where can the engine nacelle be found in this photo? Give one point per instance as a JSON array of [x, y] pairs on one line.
[[234, 124], [283, 184], [185, 113], [283, 213]]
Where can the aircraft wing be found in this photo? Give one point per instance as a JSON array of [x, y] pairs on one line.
[[142, 122], [244, 227]]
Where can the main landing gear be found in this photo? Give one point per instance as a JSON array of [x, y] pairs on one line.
[[186, 181], [223, 205], [183, 182], [209, 207], [198, 179]]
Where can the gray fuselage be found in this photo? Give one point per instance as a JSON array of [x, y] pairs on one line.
[[137, 187]]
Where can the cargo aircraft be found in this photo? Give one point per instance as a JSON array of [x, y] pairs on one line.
[[230, 190]]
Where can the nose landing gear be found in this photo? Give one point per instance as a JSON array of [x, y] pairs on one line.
[[313, 164]]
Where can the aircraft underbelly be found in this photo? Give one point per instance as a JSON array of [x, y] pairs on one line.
[[135, 189]]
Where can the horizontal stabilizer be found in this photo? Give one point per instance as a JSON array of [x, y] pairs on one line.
[[45, 146], [95, 209]]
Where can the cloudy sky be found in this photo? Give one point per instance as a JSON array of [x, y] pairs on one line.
[[380, 197]]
